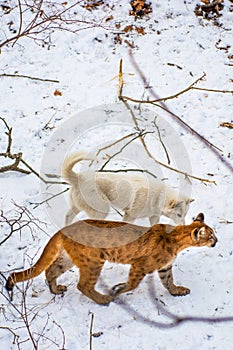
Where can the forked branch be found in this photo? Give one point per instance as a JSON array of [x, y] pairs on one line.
[[159, 102], [20, 219], [142, 139], [216, 150], [18, 158]]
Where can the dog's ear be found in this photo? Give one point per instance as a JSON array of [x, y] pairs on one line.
[[200, 218], [173, 203], [190, 200]]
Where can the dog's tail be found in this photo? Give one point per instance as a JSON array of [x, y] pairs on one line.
[[71, 159]]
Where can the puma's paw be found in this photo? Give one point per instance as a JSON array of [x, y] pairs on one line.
[[117, 289], [9, 284], [59, 289], [103, 299], [179, 291]]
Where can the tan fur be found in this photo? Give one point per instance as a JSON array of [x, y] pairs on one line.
[[89, 243], [136, 195]]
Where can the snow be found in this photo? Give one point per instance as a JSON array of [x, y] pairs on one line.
[[175, 51]]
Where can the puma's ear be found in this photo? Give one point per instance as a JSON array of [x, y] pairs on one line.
[[195, 235], [199, 218]]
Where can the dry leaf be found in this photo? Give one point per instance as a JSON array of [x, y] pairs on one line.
[[57, 93], [227, 125], [140, 30], [128, 28]]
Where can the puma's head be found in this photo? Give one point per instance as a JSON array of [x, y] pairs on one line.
[[201, 234]]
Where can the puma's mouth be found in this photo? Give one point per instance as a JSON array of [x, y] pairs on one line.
[[213, 244]]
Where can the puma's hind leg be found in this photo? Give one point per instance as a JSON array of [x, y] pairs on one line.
[[59, 266]]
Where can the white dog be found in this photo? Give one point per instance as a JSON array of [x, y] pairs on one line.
[[138, 197]]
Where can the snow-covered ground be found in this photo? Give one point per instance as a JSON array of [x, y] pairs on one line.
[[176, 49]]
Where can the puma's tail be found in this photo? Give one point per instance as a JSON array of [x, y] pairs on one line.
[[71, 159], [49, 255]]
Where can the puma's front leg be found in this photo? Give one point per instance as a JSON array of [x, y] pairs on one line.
[[166, 278], [136, 274]]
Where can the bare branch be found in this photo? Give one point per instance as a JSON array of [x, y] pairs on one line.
[[18, 157], [187, 126], [8, 154], [161, 141], [139, 135], [15, 336], [112, 144], [46, 17], [162, 105], [49, 199], [27, 316], [129, 170], [21, 218], [121, 98]]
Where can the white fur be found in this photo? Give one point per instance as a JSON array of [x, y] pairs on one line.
[[138, 196]]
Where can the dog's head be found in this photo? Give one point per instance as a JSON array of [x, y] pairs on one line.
[[177, 209]]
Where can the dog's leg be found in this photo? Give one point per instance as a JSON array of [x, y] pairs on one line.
[[71, 215], [97, 215], [154, 219], [128, 217]]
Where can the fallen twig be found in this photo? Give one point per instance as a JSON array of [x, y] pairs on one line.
[[91, 330], [29, 77], [225, 221]]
